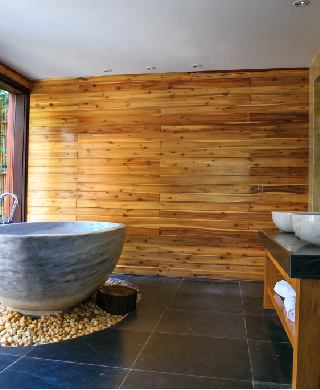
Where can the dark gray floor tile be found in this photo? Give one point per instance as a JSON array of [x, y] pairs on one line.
[[190, 301], [264, 385], [155, 298], [109, 347], [271, 361], [205, 286], [19, 351], [202, 323], [253, 305], [196, 355], [252, 289], [31, 373], [156, 282], [199, 341], [6, 360], [265, 326], [161, 380], [143, 319]]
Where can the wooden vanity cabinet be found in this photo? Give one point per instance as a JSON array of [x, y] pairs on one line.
[[298, 263]]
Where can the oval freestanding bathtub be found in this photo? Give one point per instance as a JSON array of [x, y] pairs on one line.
[[48, 267]]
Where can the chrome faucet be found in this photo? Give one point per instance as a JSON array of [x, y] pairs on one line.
[[17, 201]]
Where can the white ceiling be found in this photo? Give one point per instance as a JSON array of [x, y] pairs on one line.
[[72, 38]]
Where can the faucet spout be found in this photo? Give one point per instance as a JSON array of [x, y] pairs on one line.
[[17, 201]]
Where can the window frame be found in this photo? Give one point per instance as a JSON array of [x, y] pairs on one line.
[[17, 146]]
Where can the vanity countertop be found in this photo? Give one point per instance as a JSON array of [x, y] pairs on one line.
[[297, 258]]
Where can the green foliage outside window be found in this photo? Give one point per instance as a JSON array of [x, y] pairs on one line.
[[4, 101]]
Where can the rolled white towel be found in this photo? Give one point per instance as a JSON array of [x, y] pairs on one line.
[[284, 289], [290, 306]]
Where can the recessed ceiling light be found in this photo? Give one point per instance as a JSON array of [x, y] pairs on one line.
[[196, 66], [107, 70], [151, 67], [301, 3]]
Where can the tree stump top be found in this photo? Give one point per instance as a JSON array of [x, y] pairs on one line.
[[118, 291]]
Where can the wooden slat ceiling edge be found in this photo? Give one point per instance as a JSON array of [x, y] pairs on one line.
[[14, 76]]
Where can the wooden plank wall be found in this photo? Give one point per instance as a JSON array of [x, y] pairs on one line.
[[192, 163]]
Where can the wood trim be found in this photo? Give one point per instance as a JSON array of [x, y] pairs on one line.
[[291, 281], [270, 278], [17, 154], [314, 130], [14, 76], [12, 87], [249, 70], [306, 359], [10, 150]]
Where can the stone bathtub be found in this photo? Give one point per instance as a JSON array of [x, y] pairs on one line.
[[48, 267]]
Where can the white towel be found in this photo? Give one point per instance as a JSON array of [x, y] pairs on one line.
[[284, 289], [290, 305]]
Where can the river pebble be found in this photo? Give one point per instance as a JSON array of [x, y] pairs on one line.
[[17, 330]]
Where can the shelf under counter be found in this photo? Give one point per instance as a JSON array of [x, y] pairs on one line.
[[282, 313]]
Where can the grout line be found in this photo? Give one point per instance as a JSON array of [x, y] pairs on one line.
[[72, 362], [11, 364], [21, 356], [201, 335], [192, 375], [150, 335], [270, 341], [245, 325]]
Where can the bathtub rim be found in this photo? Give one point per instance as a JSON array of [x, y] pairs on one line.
[[119, 226]]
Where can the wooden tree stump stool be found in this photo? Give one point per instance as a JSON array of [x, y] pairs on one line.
[[117, 300]]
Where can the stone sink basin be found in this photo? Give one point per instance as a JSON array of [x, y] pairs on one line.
[[282, 219], [307, 227], [48, 267]]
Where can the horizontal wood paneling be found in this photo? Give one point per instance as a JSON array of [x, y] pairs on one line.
[[192, 163]]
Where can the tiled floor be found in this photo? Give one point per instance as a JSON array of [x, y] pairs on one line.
[[185, 333]]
